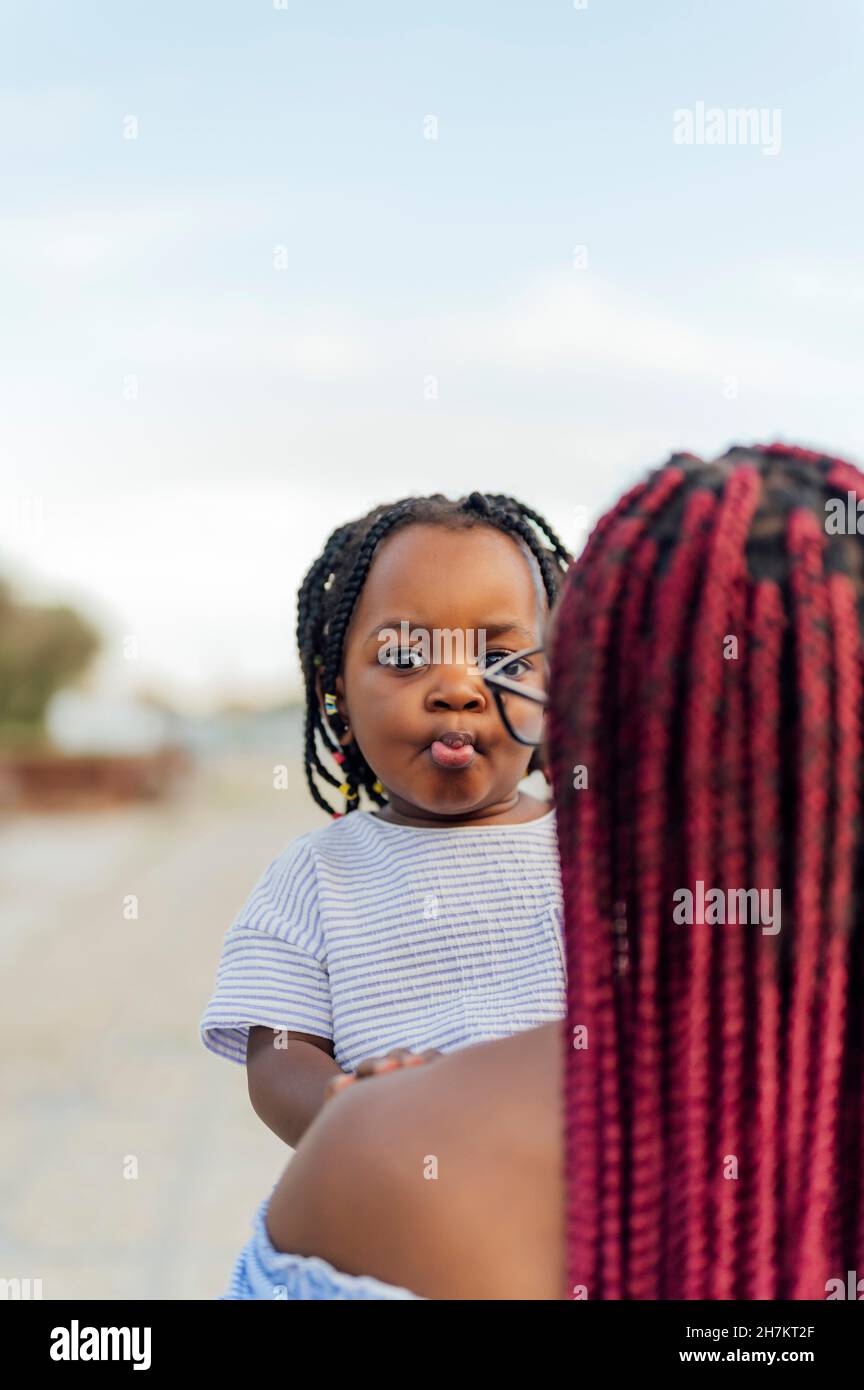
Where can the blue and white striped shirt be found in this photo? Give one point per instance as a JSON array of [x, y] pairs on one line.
[[379, 936]]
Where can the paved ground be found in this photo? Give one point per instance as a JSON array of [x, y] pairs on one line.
[[99, 1052]]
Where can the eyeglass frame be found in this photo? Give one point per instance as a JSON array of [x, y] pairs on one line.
[[499, 685]]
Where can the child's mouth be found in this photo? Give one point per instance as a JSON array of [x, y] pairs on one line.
[[453, 750]]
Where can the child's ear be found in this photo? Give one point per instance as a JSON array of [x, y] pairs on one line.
[[346, 736]]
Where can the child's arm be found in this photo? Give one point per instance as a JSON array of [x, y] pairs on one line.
[[287, 1084]]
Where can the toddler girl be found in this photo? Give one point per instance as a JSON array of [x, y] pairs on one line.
[[433, 920]]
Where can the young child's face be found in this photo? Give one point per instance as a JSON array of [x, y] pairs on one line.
[[476, 581]]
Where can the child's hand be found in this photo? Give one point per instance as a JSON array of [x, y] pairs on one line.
[[379, 1066]]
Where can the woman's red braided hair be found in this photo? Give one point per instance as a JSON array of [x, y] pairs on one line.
[[707, 675]]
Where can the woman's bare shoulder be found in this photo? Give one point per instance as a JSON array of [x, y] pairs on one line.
[[445, 1178]]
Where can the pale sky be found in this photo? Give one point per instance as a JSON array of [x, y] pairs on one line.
[[218, 336]]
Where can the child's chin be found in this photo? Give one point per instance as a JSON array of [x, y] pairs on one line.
[[452, 791]]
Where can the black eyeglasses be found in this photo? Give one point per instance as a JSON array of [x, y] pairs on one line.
[[520, 694]]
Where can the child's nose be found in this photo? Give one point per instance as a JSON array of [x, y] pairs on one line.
[[456, 688]]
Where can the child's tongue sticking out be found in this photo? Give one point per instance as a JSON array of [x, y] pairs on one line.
[[453, 750]]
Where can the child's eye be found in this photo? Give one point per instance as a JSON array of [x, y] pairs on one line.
[[405, 658], [513, 670]]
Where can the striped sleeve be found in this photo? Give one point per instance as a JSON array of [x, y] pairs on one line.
[[273, 968]]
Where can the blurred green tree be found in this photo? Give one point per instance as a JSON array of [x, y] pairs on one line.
[[41, 650]]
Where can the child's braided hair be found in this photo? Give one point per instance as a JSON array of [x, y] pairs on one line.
[[330, 592]]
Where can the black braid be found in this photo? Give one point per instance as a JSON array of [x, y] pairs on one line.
[[329, 594], [548, 535], [498, 511]]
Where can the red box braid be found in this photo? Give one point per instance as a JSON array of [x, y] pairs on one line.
[[713, 1043], [762, 1197]]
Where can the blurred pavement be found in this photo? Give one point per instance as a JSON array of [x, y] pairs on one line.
[[99, 1051]]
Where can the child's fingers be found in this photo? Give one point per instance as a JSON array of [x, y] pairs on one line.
[[375, 1066], [389, 1062], [371, 1065], [405, 1057], [338, 1084]]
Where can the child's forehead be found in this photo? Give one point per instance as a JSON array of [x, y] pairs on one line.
[[442, 566]]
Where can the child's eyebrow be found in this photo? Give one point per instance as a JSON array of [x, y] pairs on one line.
[[389, 624], [509, 625], [504, 625]]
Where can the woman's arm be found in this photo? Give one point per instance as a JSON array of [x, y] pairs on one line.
[[445, 1180]]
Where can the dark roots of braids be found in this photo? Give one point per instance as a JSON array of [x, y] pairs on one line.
[[330, 591]]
